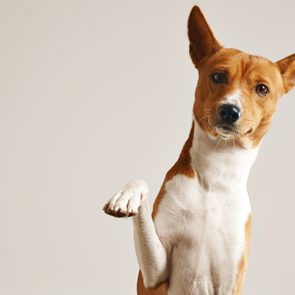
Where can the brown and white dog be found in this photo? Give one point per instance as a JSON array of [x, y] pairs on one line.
[[197, 239]]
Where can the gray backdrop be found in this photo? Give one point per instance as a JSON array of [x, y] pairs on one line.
[[95, 93]]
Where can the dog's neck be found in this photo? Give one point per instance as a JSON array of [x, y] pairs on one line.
[[220, 165]]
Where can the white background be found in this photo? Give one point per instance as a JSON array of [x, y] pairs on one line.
[[95, 93]]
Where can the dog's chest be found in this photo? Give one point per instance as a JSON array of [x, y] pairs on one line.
[[204, 230]]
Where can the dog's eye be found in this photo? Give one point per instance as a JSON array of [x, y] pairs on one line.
[[219, 77], [261, 89]]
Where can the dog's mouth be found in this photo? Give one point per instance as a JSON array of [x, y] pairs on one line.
[[225, 131], [227, 128], [229, 131]]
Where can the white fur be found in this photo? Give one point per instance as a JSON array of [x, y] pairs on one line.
[[198, 236], [234, 98]]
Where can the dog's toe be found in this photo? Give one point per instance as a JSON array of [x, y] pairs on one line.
[[127, 202]]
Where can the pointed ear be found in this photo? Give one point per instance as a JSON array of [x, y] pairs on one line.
[[202, 41], [287, 68]]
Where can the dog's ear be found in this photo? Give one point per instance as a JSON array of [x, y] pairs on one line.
[[287, 68], [202, 41]]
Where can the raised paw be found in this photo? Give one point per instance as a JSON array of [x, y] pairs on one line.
[[127, 202]]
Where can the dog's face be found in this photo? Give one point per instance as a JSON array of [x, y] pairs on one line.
[[237, 93]]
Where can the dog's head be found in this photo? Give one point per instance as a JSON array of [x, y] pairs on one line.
[[237, 93]]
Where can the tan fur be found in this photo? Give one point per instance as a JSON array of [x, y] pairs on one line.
[[287, 69], [203, 44], [244, 72]]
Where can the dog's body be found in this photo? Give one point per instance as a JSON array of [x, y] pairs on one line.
[[203, 220], [197, 239]]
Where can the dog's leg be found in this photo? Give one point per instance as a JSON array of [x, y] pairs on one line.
[[151, 254]]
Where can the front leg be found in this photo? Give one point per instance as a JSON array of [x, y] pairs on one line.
[[151, 254]]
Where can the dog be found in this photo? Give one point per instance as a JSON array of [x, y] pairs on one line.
[[197, 239]]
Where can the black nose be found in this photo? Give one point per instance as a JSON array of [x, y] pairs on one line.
[[229, 113]]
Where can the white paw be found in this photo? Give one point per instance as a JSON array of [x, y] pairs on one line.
[[127, 201]]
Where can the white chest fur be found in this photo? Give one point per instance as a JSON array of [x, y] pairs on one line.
[[201, 220]]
